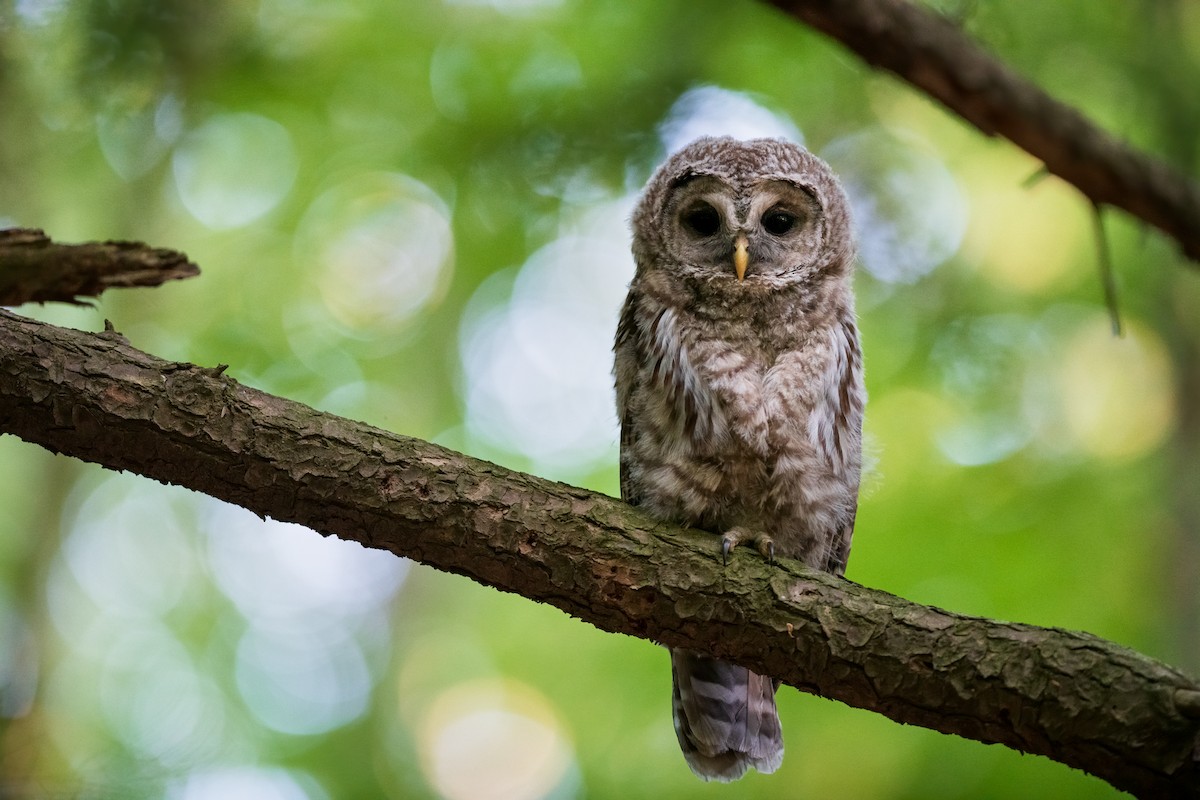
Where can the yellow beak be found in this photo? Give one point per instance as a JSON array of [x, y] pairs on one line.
[[741, 257]]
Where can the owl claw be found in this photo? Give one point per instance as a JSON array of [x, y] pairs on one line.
[[735, 536]]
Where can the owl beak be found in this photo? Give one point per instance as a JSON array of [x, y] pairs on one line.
[[741, 257]]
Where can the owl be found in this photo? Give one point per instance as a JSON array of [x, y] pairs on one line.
[[739, 389]]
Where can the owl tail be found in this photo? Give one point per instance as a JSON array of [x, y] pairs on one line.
[[725, 717]]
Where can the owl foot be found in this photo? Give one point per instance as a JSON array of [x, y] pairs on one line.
[[735, 536]]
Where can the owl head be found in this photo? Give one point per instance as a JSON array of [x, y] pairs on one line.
[[760, 213]]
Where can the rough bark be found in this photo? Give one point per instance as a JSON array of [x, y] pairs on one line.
[[1071, 696], [932, 54], [35, 269]]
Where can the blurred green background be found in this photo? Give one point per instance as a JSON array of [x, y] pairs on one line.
[[415, 214]]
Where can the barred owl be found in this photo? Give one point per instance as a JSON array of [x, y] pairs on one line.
[[740, 395]]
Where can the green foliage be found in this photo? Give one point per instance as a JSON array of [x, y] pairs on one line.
[[413, 214]]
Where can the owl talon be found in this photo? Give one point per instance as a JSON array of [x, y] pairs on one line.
[[735, 536], [732, 538]]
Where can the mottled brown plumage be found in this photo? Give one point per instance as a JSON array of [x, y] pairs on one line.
[[741, 397]]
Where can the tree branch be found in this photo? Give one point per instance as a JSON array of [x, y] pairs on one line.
[[1070, 696], [35, 269], [933, 55]]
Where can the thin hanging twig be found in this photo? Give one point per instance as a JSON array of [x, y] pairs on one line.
[[1104, 262]]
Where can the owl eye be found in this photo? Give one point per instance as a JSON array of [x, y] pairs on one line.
[[778, 222], [703, 220]]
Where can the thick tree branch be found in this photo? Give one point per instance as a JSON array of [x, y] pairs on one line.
[[933, 55], [35, 269], [1070, 696]]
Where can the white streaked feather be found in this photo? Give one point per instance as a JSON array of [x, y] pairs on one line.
[[689, 395], [835, 420]]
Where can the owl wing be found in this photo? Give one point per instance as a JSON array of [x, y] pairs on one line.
[[652, 362], [839, 548], [836, 426], [625, 370]]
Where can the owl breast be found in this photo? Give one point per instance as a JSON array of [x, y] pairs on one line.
[[726, 424]]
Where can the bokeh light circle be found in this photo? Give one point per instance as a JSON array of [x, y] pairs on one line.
[[909, 213], [382, 248], [234, 168]]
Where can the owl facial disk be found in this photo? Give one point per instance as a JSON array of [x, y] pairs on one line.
[[768, 228]]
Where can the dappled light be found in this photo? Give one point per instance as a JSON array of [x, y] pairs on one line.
[[233, 169], [984, 363], [1118, 398], [300, 683], [714, 111], [909, 213], [1038, 246], [537, 359], [284, 577], [383, 249], [508, 735], [124, 566], [245, 783], [134, 138], [18, 659], [37, 12], [300, 666], [155, 699]]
